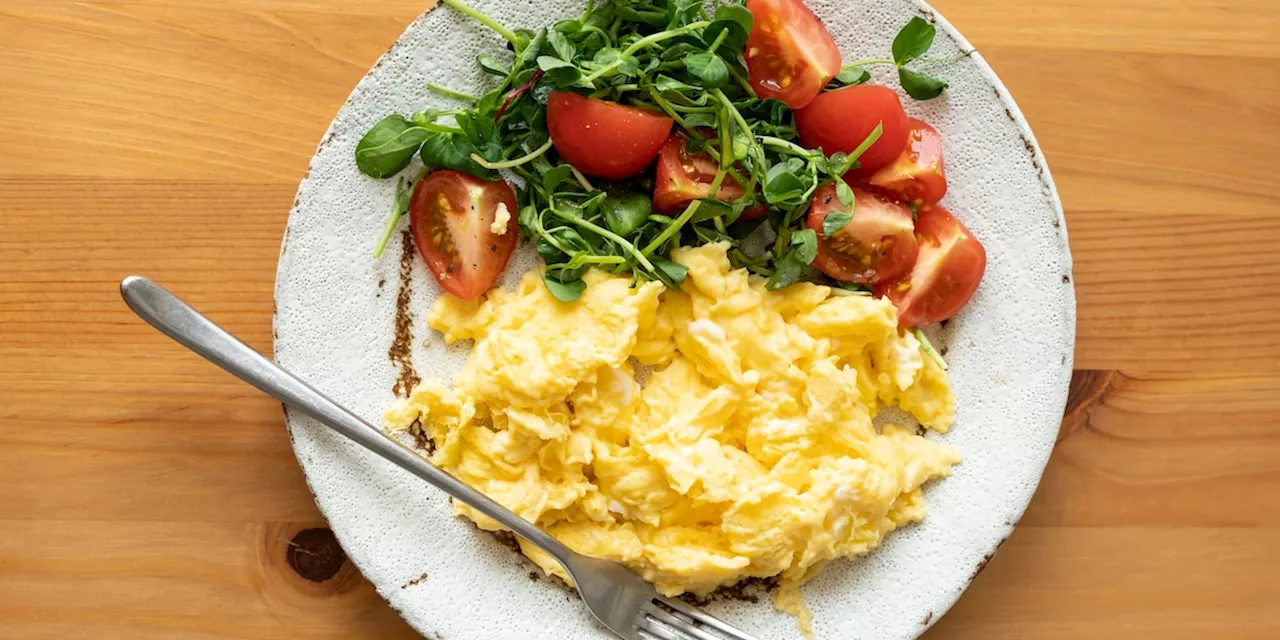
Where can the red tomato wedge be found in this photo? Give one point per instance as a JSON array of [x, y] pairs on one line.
[[604, 139], [947, 271], [918, 175], [790, 54], [840, 120], [876, 245], [683, 177], [451, 215]]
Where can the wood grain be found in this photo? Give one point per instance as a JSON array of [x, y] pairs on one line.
[[145, 494]]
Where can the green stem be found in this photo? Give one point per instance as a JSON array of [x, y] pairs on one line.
[[674, 227], [386, 234], [582, 180], [508, 164], [474, 14], [742, 80], [687, 109], [863, 63], [638, 45], [451, 93], [928, 348], [726, 139], [733, 111], [604, 35], [784, 145], [862, 148], [619, 240], [665, 106]]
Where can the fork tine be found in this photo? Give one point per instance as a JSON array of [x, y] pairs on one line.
[[679, 623], [651, 631], [711, 621]]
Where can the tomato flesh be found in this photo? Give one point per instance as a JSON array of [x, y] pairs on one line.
[[877, 245], [918, 175], [841, 120], [604, 139], [790, 54], [683, 177], [946, 273], [451, 215]]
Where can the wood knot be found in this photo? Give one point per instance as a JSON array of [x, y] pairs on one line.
[[1089, 389], [315, 554]]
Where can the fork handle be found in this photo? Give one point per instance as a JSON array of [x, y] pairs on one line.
[[188, 327]]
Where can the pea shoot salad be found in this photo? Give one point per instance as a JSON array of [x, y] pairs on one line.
[[612, 138]]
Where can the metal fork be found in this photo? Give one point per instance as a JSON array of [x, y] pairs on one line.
[[621, 600]]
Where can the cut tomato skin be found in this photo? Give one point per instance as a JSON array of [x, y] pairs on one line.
[[946, 275], [840, 120], [790, 54], [604, 139], [918, 175], [877, 245], [683, 177], [451, 215]]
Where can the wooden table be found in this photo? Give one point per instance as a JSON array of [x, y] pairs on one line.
[[145, 494]]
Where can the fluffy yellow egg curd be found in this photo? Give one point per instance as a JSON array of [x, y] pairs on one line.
[[748, 452]]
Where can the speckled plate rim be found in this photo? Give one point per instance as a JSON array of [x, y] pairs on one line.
[[1037, 158]]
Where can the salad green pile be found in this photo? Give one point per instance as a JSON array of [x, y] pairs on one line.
[[671, 56]]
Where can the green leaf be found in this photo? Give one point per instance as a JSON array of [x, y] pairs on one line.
[[490, 65], [562, 74], [568, 27], [709, 209], [782, 185], [785, 272], [919, 85], [680, 12], [452, 151], [531, 52], [742, 141], [709, 68], [651, 17], [707, 234], [672, 273], [556, 176], [564, 291], [666, 84], [561, 45], [551, 63], [387, 148], [624, 213], [482, 132], [734, 18], [605, 58], [549, 252], [804, 246], [852, 75], [845, 194], [834, 222], [701, 120], [913, 40]]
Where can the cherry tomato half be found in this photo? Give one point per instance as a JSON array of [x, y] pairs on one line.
[[876, 245], [451, 215], [918, 175], [604, 139], [947, 271], [683, 177], [840, 120], [790, 54]]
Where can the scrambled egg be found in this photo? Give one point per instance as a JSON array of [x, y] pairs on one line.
[[749, 452]]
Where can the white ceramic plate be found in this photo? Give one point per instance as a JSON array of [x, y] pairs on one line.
[[1010, 353]]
